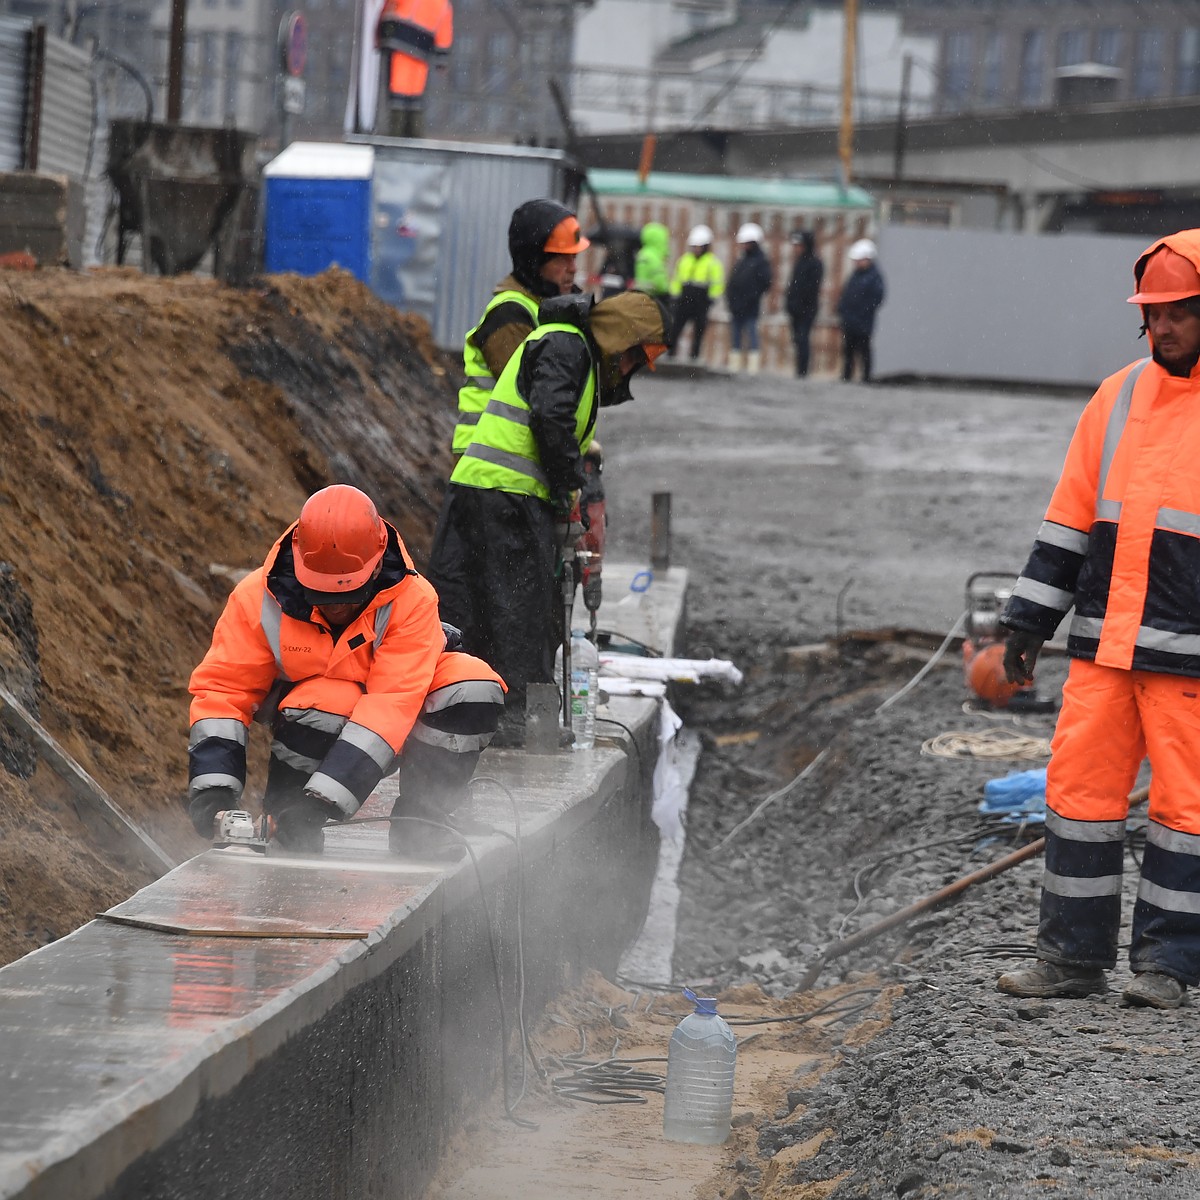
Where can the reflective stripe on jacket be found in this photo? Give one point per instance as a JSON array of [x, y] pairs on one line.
[[503, 454], [473, 397], [1121, 538], [271, 651], [702, 270]]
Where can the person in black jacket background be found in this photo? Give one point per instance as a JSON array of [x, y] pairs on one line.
[[862, 294], [749, 282], [804, 295]]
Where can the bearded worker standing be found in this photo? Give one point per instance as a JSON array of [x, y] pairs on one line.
[[1121, 545]]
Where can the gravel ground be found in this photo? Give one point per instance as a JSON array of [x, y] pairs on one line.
[[967, 1092]]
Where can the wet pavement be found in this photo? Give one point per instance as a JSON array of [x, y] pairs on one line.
[[111, 1037]]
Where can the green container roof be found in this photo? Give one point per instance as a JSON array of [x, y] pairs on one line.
[[727, 189]]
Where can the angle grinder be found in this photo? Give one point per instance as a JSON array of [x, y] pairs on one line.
[[236, 829]]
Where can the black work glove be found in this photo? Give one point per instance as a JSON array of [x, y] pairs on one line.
[[1021, 651], [205, 805], [453, 636]]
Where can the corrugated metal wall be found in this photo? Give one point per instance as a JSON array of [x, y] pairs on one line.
[[66, 110], [439, 250], [14, 49]]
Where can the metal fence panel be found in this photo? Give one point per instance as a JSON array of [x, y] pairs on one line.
[[14, 50], [976, 304], [67, 108], [440, 212]]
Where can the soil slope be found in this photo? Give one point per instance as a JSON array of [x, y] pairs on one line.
[[159, 434]]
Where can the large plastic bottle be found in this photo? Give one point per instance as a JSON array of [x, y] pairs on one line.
[[700, 1065], [585, 687]]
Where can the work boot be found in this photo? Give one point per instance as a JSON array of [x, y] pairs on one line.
[[1152, 989], [1047, 979]]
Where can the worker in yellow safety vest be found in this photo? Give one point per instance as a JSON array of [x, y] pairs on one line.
[[699, 280], [544, 241]]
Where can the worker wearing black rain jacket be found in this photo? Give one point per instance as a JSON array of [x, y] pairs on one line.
[[804, 296], [495, 549], [862, 294]]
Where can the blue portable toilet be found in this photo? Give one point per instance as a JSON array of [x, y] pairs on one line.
[[318, 208]]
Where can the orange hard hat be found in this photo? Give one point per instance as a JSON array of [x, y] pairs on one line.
[[986, 678], [566, 238], [1165, 276], [338, 541]]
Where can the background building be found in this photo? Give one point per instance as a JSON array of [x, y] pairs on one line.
[[725, 65], [1015, 54]]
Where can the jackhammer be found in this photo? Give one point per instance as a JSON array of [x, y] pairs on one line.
[[582, 543]]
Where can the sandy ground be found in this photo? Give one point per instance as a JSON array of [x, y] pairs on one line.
[[158, 433]]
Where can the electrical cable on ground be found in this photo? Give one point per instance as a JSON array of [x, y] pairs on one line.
[[632, 740], [953, 632], [494, 949], [988, 744]]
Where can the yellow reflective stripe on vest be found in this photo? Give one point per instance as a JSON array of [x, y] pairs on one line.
[[473, 397], [502, 454]]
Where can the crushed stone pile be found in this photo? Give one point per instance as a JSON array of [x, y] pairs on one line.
[[160, 434]]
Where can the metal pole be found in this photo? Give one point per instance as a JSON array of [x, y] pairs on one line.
[[178, 37], [846, 131], [660, 531], [902, 118]]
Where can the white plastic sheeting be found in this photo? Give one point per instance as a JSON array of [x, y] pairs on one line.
[[648, 960], [680, 670]]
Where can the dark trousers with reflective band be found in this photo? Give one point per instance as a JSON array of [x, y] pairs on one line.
[[492, 564], [1110, 721], [438, 760]]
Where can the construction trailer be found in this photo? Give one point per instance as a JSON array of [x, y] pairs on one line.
[[836, 215], [423, 223]]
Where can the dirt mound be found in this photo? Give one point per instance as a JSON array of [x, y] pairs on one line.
[[161, 433]]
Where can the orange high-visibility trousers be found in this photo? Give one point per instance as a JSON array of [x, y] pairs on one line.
[[407, 76], [1111, 719]]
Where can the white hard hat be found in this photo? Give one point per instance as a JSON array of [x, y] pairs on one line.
[[863, 249], [701, 235], [750, 232]]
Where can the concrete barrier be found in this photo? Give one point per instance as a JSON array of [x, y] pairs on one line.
[[253, 1026]]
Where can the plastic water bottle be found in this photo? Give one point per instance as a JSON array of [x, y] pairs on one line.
[[700, 1063], [585, 687]]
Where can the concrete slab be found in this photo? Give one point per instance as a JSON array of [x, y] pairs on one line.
[[257, 1025]]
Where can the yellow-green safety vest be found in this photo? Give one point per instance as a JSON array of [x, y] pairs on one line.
[[502, 454], [475, 394], [702, 270]]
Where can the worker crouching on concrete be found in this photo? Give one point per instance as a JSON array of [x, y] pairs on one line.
[[495, 550], [335, 642], [1121, 543], [544, 241]]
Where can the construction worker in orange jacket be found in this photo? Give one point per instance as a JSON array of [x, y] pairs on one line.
[[335, 643], [416, 33], [1121, 545]]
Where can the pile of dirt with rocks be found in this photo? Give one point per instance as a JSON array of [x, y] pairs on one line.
[[965, 1091], [160, 434]]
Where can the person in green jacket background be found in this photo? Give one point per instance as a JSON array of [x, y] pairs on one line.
[[650, 266]]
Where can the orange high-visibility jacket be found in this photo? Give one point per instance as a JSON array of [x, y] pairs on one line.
[[272, 651], [426, 28], [1121, 538]]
